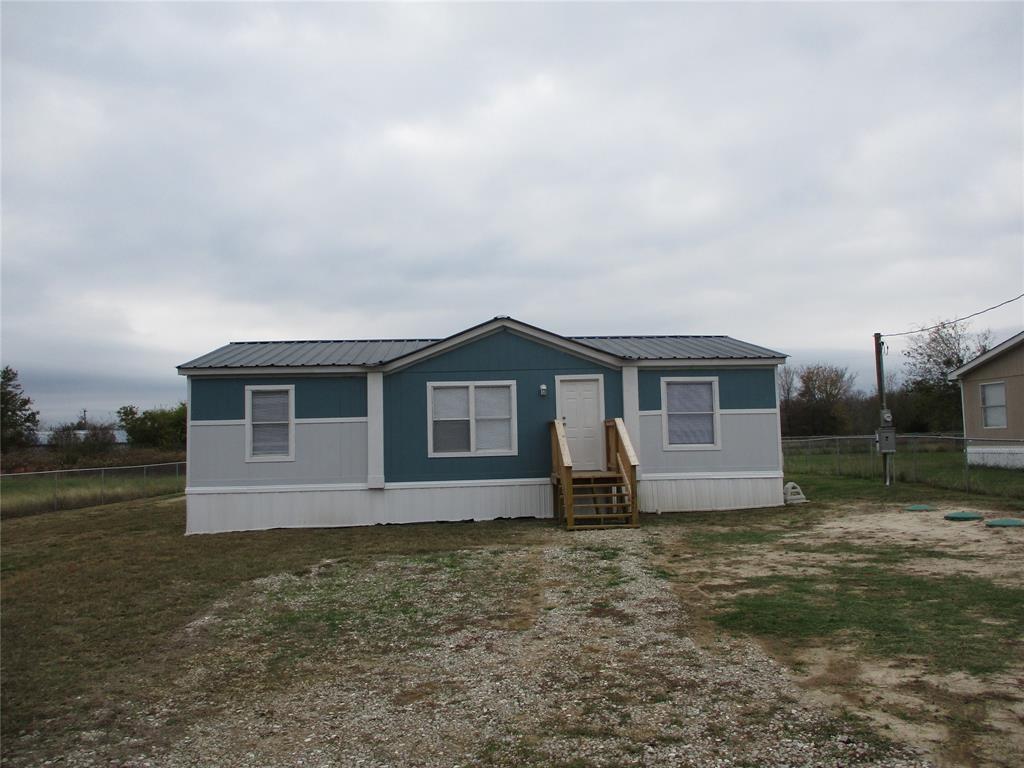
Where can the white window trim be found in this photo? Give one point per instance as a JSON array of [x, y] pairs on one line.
[[981, 402], [471, 453], [713, 380], [249, 389]]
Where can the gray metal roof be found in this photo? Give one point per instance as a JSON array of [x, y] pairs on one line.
[[268, 354], [677, 347], [368, 352]]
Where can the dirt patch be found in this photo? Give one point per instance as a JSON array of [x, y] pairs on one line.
[[994, 553]]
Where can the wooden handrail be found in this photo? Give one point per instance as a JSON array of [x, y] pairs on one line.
[[622, 458], [561, 468], [561, 443]]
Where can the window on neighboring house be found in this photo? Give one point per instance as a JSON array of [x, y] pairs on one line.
[[270, 423], [993, 404], [472, 418], [690, 413]]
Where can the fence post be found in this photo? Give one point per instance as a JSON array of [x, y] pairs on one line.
[[913, 457], [838, 472], [55, 490], [967, 470], [145, 483], [103, 485]]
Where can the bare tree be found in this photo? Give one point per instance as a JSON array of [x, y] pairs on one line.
[[825, 383], [785, 383], [931, 355], [785, 379]]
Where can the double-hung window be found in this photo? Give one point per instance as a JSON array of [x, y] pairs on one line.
[[689, 413], [471, 419], [270, 423], [993, 404]]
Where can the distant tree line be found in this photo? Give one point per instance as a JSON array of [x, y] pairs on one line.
[[822, 399], [160, 429]]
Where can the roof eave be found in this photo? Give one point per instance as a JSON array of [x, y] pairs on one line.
[[269, 370], [986, 356], [703, 362]]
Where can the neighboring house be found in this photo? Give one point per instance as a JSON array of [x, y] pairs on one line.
[[992, 393], [44, 436], [500, 420]]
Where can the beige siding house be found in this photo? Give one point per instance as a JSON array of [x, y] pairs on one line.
[[992, 389]]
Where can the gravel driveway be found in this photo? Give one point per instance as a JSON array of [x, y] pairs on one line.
[[572, 653]]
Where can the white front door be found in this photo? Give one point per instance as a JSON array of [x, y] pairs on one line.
[[579, 406]]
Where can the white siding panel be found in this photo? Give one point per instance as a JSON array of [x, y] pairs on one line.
[[1011, 456], [692, 494], [248, 511]]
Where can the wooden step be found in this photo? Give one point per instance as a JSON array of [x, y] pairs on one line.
[[599, 495], [609, 505], [595, 475]]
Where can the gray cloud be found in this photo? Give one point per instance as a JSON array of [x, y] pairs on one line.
[[176, 176]]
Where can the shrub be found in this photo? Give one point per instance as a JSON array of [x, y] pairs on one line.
[[155, 428]]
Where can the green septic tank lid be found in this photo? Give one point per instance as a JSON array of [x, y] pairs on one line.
[[962, 516], [1005, 522], [920, 508]]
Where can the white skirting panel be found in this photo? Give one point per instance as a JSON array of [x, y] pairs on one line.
[[253, 509], [1011, 456], [709, 493]]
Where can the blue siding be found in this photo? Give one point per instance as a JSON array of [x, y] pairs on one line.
[[738, 388], [316, 397], [501, 356]]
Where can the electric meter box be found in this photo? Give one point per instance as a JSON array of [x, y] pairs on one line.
[[886, 439]]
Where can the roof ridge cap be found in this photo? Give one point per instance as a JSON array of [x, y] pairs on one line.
[[326, 341]]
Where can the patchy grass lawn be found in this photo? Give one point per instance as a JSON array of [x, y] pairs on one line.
[[908, 619], [514, 643]]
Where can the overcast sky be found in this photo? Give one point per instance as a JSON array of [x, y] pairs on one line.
[[798, 176]]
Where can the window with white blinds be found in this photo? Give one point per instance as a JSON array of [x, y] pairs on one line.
[[689, 413], [993, 404], [471, 419], [270, 423]]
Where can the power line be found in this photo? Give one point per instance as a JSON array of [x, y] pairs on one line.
[[950, 322]]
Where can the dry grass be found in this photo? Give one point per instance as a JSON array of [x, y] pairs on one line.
[[88, 592]]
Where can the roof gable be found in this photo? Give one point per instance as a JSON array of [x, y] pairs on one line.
[[501, 350], [986, 357], [495, 325]]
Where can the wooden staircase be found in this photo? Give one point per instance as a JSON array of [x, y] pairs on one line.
[[596, 499]]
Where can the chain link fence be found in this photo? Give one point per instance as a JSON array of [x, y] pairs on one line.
[[994, 467], [27, 493]]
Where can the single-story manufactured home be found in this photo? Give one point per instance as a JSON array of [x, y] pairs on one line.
[[503, 419], [992, 393]]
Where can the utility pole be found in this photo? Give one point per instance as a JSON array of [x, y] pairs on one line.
[[879, 372], [886, 434]]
